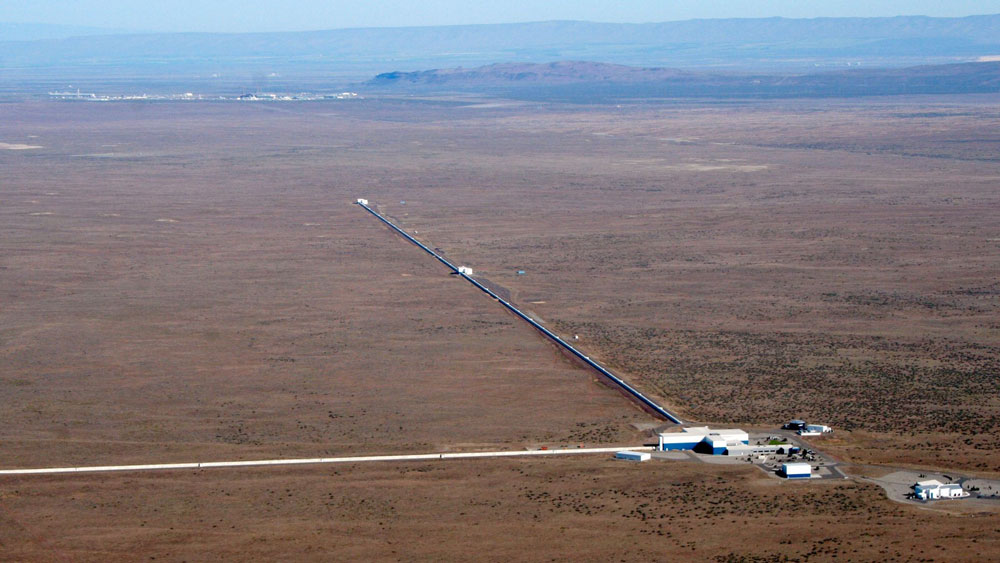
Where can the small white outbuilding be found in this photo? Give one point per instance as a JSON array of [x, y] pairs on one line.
[[362, 201], [796, 470], [633, 456], [465, 270], [815, 430], [934, 490]]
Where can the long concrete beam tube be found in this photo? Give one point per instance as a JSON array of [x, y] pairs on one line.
[[314, 461], [632, 391]]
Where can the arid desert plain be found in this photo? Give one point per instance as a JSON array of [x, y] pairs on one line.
[[191, 281]]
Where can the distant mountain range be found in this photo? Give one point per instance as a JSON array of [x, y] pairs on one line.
[[41, 31], [590, 81], [321, 57], [722, 42]]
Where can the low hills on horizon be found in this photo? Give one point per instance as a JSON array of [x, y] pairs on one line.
[[724, 44], [787, 57], [42, 31]]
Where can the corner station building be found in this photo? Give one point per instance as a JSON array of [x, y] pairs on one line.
[[703, 439]]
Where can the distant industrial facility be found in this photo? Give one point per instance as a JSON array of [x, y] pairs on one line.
[[702, 439]]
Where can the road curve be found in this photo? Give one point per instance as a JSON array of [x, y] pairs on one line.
[[633, 392]]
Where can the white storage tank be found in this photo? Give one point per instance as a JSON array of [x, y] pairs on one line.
[[633, 456], [796, 470]]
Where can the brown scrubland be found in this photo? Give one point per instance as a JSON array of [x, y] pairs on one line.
[[191, 282]]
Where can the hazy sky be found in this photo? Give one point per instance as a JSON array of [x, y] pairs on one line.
[[293, 15]]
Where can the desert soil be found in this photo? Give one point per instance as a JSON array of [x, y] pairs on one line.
[[187, 282]]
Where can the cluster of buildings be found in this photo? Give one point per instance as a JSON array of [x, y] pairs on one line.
[[736, 442], [272, 97], [730, 441]]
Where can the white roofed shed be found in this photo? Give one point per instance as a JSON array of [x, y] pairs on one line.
[[796, 470], [633, 456]]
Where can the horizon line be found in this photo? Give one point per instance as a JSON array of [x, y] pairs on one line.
[[119, 31]]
